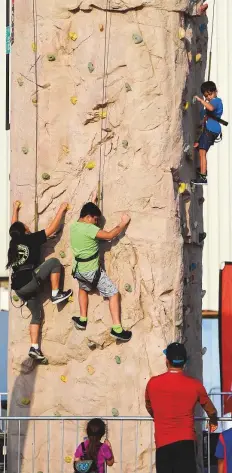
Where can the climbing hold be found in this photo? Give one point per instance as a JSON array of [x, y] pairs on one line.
[[63, 378], [202, 236], [137, 38], [70, 299], [68, 459], [175, 175], [20, 81], [102, 114], [34, 47], [90, 369], [73, 100], [186, 281], [35, 100], [51, 57], [24, 150], [195, 224], [190, 56], [46, 176], [186, 148], [57, 414], [128, 87], [182, 187], [45, 86], [124, 143], [69, 207], [203, 293], [90, 165], [72, 35], [101, 27], [128, 287], [202, 27], [65, 149], [91, 345], [194, 100], [25, 401], [181, 33], [115, 412], [187, 310], [118, 360], [15, 298], [203, 351], [201, 200], [62, 254], [185, 106], [198, 57], [193, 266], [91, 67]]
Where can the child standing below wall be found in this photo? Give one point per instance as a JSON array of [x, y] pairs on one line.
[[224, 452], [91, 455], [85, 236], [213, 109]]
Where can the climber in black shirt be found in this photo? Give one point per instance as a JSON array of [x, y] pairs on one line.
[[28, 274]]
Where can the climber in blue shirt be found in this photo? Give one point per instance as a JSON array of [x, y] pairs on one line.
[[213, 107]]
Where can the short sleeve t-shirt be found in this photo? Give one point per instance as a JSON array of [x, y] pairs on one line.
[[84, 244], [213, 125], [173, 397], [103, 455], [224, 449], [28, 254]]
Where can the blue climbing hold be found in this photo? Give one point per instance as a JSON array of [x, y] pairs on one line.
[[202, 27]]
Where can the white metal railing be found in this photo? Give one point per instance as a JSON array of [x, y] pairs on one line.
[[3, 397], [63, 433]]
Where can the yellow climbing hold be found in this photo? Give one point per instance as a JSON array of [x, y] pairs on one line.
[[24, 150], [181, 33], [72, 35], [63, 378], [185, 106], [182, 187], [68, 459], [25, 401], [90, 165], [65, 149], [34, 47], [15, 298], [34, 100], [73, 100], [70, 299], [90, 369], [20, 81], [101, 27], [198, 57], [102, 114], [69, 207], [19, 203]]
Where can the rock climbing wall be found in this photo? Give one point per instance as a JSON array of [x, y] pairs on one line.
[[104, 88]]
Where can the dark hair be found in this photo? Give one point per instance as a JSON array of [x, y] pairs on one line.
[[208, 86], [17, 231], [90, 209], [95, 430]]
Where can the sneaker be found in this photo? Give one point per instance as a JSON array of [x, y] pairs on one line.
[[200, 180], [61, 296], [124, 336], [79, 324], [36, 354]]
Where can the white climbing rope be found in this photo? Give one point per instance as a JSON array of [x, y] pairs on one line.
[[211, 40], [36, 116], [103, 119]]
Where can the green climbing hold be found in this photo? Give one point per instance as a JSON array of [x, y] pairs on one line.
[[137, 38], [15, 298], [51, 57], [125, 144], [57, 414], [115, 412], [118, 360], [128, 87], [45, 176], [90, 67], [62, 254], [128, 288], [20, 81], [24, 150]]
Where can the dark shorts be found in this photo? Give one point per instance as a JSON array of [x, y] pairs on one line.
[[207, 139], [177, 457]]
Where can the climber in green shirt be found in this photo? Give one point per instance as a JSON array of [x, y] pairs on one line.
[[85, 236]]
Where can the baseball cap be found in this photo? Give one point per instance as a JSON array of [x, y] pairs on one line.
[[176, 353]]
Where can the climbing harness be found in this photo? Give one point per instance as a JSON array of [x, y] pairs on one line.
[[211, 41], [37, 115], [24, 299], [97, 274]]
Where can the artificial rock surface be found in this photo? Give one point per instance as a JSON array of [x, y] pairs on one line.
[[75, 120]]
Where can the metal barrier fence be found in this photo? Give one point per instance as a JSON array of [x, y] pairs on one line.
[[31, 443]]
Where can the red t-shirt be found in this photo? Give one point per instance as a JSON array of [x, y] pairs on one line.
[[173, 397]]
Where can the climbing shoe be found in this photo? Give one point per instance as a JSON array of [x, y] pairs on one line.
[[124, 336], [200, 180], [79, 324], [36, 354], [61, 296]]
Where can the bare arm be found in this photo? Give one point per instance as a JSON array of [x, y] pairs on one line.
[[54, 225], [104, 235], [211, 411], [205, 104], [111, 461], [15, 214], [149, 408], [220, 466]]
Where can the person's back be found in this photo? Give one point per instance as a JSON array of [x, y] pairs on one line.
[[84, 244], [224, 452]]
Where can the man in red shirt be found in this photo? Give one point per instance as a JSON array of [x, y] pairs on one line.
[[171, 399]]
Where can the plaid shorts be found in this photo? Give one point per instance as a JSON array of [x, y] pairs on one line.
[[105, 286]]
